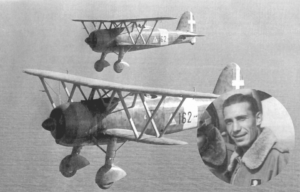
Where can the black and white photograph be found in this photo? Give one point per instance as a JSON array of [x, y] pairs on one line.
[[117, 95]]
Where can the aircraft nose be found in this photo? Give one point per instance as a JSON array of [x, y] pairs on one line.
[[56, 123], [49, 124], [91, 40], [87, 40]]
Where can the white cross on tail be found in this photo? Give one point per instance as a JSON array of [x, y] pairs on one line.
[[238, 82], [191, 22]]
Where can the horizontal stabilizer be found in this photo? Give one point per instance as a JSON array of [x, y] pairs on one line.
[[149, 139], [191, 35]]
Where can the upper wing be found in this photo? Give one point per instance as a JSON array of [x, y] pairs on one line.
[[126, 23], [126, 20], [110, 90], [95, 83]]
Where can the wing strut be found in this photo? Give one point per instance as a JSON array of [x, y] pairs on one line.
[[173, 115], [72, 93], [132, 105], [151, 116], [85, 27], [47, 91], [81, 93], [128, 115], [100, 26], [140, 33], [66, 89], [111, 98], [91, 97], [126, 27], [151, 31]]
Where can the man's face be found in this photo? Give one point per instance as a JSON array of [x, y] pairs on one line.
[[242, 124]]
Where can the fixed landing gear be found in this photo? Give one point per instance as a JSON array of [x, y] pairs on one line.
[[109, 173], [71, 163], [106, 175], [120, 65], [100, 65]]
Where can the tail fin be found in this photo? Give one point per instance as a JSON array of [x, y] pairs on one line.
[[187, 23], [230, 79]]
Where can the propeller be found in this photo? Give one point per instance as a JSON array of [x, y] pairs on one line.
[[49, 124]]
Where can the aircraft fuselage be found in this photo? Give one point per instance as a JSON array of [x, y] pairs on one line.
[[77, 123], [110, 40]]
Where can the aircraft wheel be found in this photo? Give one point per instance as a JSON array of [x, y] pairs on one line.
[[107, 175], [105, 186], [118, 67], [68, 174], [98, 66], [65, 167]]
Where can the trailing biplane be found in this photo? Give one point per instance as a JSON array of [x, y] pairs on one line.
[[113, 113], [121, 36]]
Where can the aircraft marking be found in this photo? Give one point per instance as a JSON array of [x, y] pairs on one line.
[[164, 36], [155, 40], [191, 22], [173, 121], [188, 118], [185, 117], [238, 82]]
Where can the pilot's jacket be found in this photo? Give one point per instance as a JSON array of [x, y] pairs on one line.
[[261, 162]]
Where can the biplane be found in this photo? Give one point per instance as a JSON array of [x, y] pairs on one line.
[[122, 36], [111, 113]]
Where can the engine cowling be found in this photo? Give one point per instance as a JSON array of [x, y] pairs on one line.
[[73, 123]]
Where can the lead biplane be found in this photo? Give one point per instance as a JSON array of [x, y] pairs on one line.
[[124, 35], [114, 113]]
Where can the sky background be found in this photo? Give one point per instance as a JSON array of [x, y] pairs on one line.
[[261, 36]]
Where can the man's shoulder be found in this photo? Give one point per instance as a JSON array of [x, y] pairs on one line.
[[260, 149], [280, 147], [280, 152]]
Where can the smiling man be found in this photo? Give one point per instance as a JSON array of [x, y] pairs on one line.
[[242, 118], [256, 156]]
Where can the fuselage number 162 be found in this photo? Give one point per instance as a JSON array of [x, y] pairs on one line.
[[184, 117]]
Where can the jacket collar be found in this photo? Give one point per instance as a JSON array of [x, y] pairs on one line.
[[258, 152]]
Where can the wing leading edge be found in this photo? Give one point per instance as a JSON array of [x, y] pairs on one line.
[[126, 20], [95, 83]]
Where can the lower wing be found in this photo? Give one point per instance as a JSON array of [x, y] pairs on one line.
[[149, 139]]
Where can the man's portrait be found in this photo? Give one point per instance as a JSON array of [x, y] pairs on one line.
[[245, 137]]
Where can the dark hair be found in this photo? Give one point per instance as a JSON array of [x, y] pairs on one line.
[[240, 98]]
